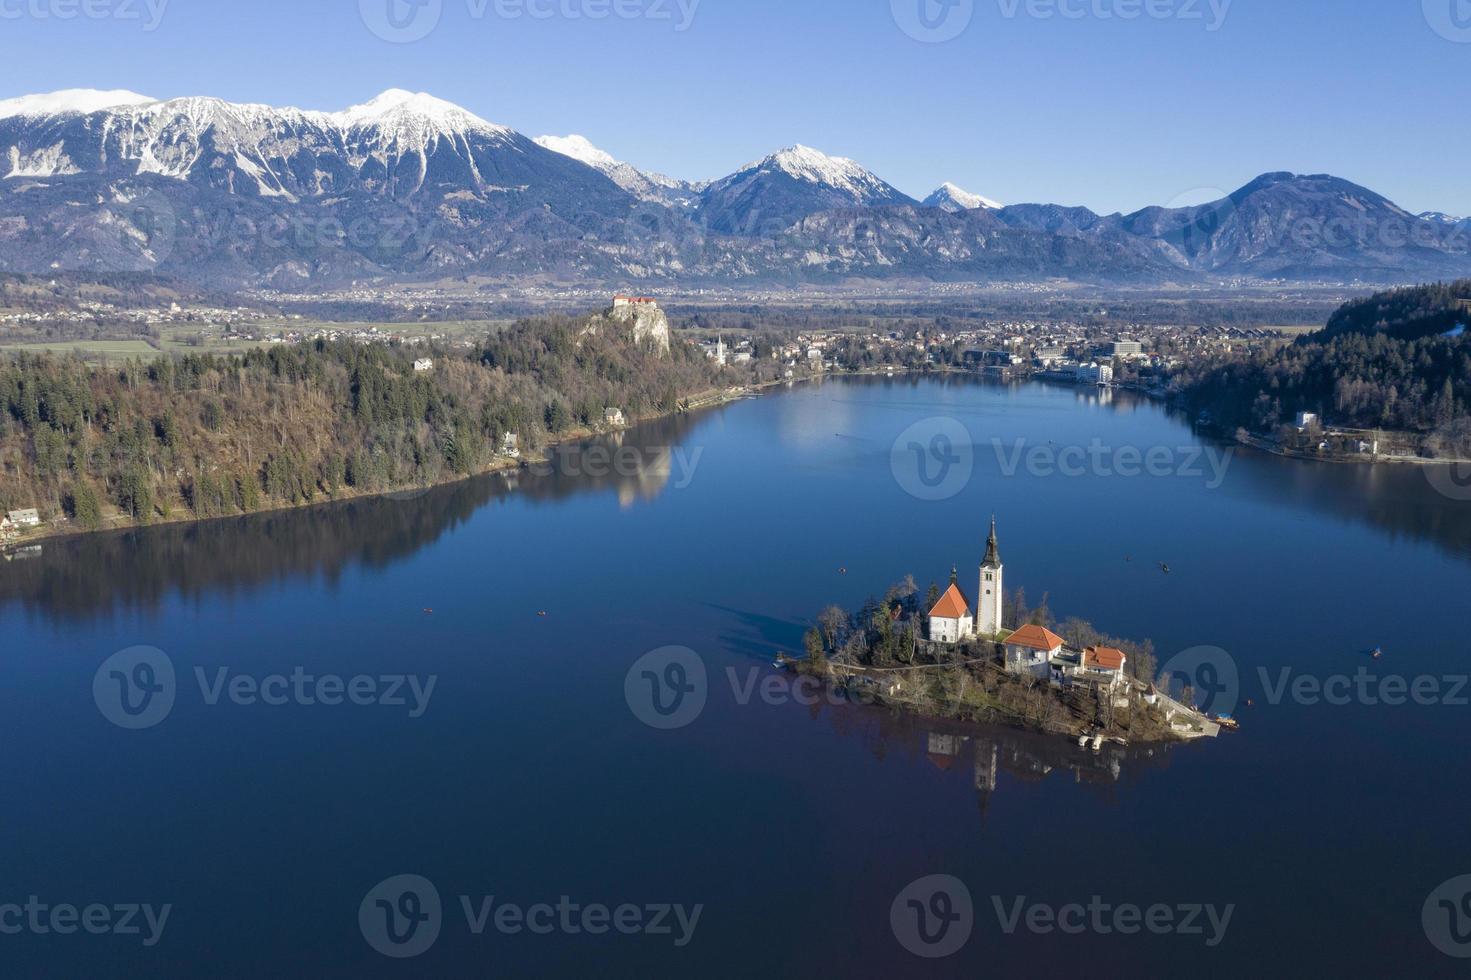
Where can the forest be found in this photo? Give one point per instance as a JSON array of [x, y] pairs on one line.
[[209, 436], [1397, 361]]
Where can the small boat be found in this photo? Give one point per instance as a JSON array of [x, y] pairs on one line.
[[1377, 653], [1164, 568], [1227, 722], [1082, 741], [429, 612], [1097, 742], [543, 614], [842, 571]]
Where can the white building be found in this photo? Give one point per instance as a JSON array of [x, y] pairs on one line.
[[25, 518], [1030, 651], [1104, 665], [954, 618], [951, 620], [1306, 420], [1097, 374], [8, 529], [614, 416], [424, 364], [511, 446]]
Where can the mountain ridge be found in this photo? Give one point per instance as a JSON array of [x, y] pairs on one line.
[[408, 186]]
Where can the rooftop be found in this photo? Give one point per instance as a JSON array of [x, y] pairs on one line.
[[1036, 638], [952, 605]]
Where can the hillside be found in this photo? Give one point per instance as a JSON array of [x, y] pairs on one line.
[[1407, 314], [1396, 361], [205, 436]]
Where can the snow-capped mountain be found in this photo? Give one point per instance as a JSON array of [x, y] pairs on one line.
[[407, 186], [76, 101], [394, 144], [771, 194], [949, 197], [642, 184], [361, 187]]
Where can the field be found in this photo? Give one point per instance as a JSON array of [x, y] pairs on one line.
[[187, 338], [100, 349]]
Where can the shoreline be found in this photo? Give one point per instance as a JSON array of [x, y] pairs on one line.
[[713, 398]]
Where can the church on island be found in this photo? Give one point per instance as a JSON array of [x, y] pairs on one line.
[[954, 619], [1029, 651]]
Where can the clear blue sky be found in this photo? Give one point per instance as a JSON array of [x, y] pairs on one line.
[[1111, 113]]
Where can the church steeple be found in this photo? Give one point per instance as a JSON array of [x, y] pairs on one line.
[[989, 595], [993, 554]]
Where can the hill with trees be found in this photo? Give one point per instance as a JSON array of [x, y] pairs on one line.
[[204, 436], [1398, 361]]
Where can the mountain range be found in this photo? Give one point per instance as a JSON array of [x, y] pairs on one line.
[[409, 187]]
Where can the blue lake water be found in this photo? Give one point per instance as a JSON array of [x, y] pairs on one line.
[[528, 776]]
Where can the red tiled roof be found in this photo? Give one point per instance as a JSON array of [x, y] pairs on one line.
[[952, 605], [1106, 657], [1035, 637]]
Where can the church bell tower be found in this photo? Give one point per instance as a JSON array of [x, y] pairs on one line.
[[988, 596]]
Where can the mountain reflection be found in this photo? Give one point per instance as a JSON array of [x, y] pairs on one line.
[[97, 574]]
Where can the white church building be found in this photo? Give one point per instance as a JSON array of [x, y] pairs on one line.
[[954, 618]]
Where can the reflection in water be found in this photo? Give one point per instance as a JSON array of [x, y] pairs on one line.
[[1400, 498], [96, 574], [992, 756]]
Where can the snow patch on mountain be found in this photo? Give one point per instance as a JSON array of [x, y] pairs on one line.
[[580, 148], [815, 167], [50, 161], [643, 184], [72, 101], [414, 111], [949, 197]]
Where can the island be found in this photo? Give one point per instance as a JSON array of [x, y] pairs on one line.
[[945, 656]]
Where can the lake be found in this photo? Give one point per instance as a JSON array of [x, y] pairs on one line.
[[332, 699]]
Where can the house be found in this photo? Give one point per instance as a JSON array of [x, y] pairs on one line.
[[25, 518], [951, 620], [614, 416], [424, 364], [624, 302], [1306, 420], [1105, 665], [511, 446], [1030, 651], [8, 530]]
